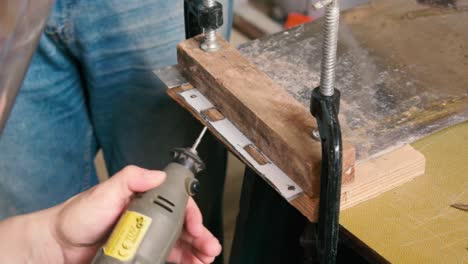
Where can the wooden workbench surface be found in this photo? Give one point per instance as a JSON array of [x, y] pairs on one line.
[[414, 223], [403, 73]]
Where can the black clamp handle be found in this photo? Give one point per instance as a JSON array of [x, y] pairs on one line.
[[325, 109]]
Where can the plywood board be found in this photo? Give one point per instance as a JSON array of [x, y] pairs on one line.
[[378, 175], [402, 70]]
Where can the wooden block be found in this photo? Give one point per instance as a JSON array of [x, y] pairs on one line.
[[306, 205], [372, 177], [381, 174], [265, 113]]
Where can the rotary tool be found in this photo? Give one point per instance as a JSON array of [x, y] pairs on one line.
[[148, 229]]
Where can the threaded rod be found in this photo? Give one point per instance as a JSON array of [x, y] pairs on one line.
[[209, 42], [329, 47]]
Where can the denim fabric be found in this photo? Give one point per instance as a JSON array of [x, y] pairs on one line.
[[90, 86]]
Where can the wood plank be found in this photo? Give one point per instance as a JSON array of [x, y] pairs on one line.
[[273, 120], [372, 177], [306, 205], [378, 175]]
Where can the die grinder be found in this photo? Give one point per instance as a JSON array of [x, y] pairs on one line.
[[148, 229]]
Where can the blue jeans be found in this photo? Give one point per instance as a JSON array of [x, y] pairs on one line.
[[90, 86]]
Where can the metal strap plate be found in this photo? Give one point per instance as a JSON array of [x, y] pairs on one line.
[[286, 187]]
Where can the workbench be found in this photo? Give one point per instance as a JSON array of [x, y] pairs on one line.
[[413, 223], [402, 73]]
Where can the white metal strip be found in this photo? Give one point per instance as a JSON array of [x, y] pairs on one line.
[[270, 172]]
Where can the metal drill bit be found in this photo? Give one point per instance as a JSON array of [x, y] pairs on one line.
[[197, 142]]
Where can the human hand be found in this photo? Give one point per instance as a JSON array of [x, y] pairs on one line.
[[81, 225]]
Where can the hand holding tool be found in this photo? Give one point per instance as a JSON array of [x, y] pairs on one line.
[[153, 221]]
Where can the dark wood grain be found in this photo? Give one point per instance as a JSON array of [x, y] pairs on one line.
[[272, 119], [306, 205]]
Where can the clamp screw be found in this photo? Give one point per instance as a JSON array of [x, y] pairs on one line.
[[209, 43], [329, 46]]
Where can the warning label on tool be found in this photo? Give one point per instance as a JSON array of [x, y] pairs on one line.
[[127, 236]]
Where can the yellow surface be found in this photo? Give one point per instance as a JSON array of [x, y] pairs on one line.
[[414, 223], [127, 236]]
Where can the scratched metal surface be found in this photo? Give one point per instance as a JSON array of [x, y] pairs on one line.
[[402, 69]]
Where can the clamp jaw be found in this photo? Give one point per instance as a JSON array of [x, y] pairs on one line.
[[325, 109], [210, 18], [202, 17], [324, 106]]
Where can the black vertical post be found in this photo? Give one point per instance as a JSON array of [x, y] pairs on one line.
[[268, 227], [325, 109], [192, 28]]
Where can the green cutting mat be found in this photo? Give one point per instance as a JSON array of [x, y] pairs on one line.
[[414, 223]]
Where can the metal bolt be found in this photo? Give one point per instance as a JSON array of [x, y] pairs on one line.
[[209, 43], [330, 43]]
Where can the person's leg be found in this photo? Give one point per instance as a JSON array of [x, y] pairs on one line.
[[47, 147], [119, 43]]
